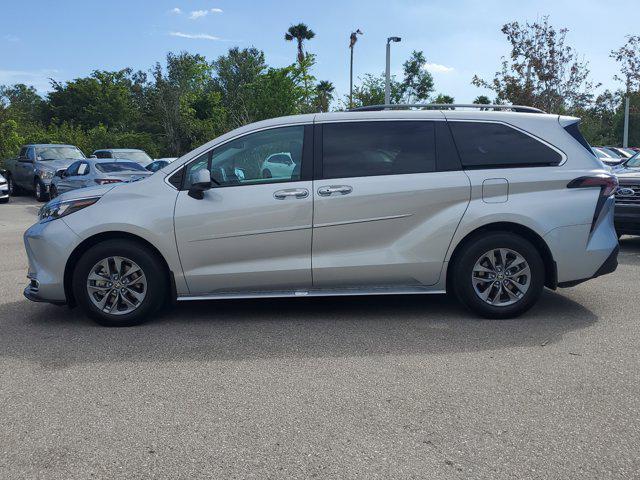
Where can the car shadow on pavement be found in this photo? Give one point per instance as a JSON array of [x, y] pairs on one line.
[[297, 328]]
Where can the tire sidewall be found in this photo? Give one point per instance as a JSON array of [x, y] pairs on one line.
[[146, 260], [43, 195], [464, 264]]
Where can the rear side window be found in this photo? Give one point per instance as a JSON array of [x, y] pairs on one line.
[[574, 131], [492, 145], [363, 149]]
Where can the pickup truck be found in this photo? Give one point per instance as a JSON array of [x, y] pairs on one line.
[[36, 166]]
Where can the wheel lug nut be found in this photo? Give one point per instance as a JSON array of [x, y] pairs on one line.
[[123, 290]]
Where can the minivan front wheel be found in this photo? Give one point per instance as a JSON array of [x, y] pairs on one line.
[[498, 275], [119, 283]]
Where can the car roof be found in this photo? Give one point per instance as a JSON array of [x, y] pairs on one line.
[[119, 150], [50, 145]]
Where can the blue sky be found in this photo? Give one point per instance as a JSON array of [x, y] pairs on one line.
[[65, 39]]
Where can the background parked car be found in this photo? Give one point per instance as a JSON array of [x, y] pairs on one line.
[[159, 164], [278, 165], [36, 166], [132, 154], [4, 190], [624, 153], [608, 157], [92, 171], [627, 212]]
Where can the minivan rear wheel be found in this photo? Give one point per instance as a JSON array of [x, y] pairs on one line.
[[119, 283], [498, 275]]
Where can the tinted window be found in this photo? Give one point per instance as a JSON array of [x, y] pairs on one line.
[[31, 153], [487, 145], [362, 149], [112, 167], [83, 169], [245, 161], [574, 131], [73, 169]]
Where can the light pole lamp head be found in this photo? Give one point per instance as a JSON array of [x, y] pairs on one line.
[[394, 39]]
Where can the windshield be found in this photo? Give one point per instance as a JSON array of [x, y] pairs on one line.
[[59, 153], [633, 162], [136, 156], [113, 167]]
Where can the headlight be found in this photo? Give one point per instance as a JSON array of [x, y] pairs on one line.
[[46, 174], [58, 208]]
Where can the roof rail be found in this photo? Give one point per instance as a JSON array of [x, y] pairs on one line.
[[444, 106]]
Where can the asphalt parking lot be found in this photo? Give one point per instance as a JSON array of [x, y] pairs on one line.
[[384, 387]]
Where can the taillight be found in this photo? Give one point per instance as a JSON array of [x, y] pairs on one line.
[[105, 181], [607, 185]]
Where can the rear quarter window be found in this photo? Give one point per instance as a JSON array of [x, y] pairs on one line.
[[494, 145]]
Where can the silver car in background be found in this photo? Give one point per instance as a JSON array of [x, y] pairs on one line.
[[4, 190], [91, 172], [131, 154], [492, 205]]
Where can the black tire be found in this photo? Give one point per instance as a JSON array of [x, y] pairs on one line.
[[156, 278], [53, 192], [14, 190], [266, 173], [4, 200], [471, 252], [40, 190]]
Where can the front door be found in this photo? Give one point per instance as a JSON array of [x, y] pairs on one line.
[[384, 215], [251, 232]]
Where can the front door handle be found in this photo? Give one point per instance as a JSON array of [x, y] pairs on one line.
[[291, 192], [331, 189]]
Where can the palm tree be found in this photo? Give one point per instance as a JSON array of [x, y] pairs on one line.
[[324, 95], [300, 33]]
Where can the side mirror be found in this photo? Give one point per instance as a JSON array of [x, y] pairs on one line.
[[201, 183]]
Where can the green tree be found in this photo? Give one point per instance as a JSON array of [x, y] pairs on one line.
[[417, 84], [482, 100], [323, 96], [541, 71], [443, 99], [300, 33], [234, 72], [102, 98], [22, 103]]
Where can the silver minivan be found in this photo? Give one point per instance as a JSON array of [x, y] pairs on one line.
[[492, 204]]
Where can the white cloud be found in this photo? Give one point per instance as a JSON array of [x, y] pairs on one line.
[[198, 14], [194, 15], [196, 36], [176, 11], [11, 38], [437, 68]]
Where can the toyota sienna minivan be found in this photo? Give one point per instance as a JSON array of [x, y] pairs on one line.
[[492, 205]]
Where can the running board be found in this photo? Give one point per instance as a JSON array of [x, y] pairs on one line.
[[328, 292]]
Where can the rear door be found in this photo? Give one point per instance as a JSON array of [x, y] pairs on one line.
[[251, 232], [388, 197]]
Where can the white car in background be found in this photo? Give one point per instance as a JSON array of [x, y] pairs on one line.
[[278, 165], [4, 190]]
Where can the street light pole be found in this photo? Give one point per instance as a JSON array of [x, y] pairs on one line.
[[625, 137], [353, 38], [387, 82]]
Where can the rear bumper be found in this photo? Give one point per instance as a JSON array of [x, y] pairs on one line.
[[609, 266], [627, 219]]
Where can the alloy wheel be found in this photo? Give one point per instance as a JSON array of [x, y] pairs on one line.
[[501, 277], [116, 285]]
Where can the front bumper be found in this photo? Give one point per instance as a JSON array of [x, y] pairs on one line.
[[627, 219], [48, 247]]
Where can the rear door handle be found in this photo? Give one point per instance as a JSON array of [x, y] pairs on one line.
[[291, 193], [331, 189]]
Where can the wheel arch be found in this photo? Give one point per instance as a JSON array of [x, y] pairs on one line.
[[551, 274], [112, 235]]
